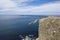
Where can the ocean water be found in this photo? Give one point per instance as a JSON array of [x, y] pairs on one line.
[[12, 26]]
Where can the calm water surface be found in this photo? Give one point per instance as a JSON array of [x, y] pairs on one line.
[[13, 26]]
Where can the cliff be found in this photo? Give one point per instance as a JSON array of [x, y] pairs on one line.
[[49, 28]]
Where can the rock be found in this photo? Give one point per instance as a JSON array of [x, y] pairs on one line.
[[33, 22], [49, 28]]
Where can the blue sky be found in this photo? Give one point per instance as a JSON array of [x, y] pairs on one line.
[[29, 7], [40, 2]]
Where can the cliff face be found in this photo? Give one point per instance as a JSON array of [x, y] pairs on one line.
[[49, 28]]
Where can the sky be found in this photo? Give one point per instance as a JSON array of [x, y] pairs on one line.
[[29, 7]]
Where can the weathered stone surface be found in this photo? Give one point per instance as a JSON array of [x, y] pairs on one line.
[[49, 28]]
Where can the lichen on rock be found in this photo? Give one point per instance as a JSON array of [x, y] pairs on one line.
[[49, 28]]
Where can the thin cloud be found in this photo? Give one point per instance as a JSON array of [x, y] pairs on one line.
[[22, 2], [4, 4], [53, 7], [50, 7]]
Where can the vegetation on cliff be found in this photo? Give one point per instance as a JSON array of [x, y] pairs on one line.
[[49, 28]]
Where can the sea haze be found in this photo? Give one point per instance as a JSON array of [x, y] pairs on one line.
[[13, 26]]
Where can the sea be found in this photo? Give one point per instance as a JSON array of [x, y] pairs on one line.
[[11, 26]]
